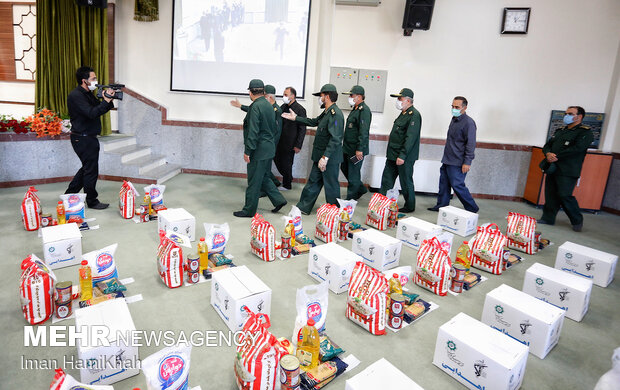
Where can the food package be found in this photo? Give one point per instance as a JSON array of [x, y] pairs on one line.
[[216, 237], [367, 298], [74, 205], [487, 249], [169, 261], [348, 206], [156, 192], [102, 263], [31, 210], [263, 240], [258, 354], [64, 381], [433, 267], [36, 290], [127, 200], [312, 303], [379, 211], [168, 368], [327, 217], [321, 375], [405, 274], [329, 349], [521, 233], [295, 216]]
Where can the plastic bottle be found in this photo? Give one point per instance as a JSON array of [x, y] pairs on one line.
[[60, 212], [147, 200], [462, 256], [203, 252], [290, 229], [86, 281], [309, 346], [395, 286]]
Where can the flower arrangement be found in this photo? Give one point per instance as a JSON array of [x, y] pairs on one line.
[[11, 124], [45, 122]]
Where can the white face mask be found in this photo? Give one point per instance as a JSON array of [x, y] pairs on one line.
[[285, 99], [399, 105], [93, 85], [351, 101], [321, 101]]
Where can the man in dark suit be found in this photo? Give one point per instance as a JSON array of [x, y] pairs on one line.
[[292, 138]]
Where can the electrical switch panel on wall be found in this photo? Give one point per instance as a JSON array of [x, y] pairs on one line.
[[374, 83]]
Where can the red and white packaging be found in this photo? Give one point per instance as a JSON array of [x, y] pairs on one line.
[[169, 261], [258, 355], [433, 267], [521, 233], [367, 298], [31, 210], [36, 290], [127, 200], [487, 248], [64, 381], [263, 241], [327, 217], [378, 211]]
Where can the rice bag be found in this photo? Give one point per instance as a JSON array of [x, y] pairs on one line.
[[127, 200], [156, 192], [295, 216], [216, 237], [102, 263], [31, 210], [311, 303], [329, 349], [348, 206], [110, 286], [36, 290], [168, 369], [74, 205], [64, 381]]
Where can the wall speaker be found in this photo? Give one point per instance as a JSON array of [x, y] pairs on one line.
[[93, 3], [418, 15]]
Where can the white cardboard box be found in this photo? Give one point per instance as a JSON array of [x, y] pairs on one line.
[[62, 245], [526, 319], [107, 364], [334, 264], [381, 375], [478, 356], [457, 221], [234, 288], [378, 250], [568, 292], [587, 262], [178, 221], [412, 231]]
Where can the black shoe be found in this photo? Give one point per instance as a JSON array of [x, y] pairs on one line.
[[406, 210], [277, 208], [578, 227], [99, 206], [543, 222], [241, 214], [434, 208]]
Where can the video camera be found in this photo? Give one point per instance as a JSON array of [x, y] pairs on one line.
[[117, 88]]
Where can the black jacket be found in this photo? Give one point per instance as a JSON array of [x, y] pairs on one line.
[[85, 110], [293, 133]]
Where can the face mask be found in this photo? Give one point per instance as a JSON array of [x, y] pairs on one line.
[[568, 119], [351, 101], [399, 105], [456, 112], [92, 86], [285, 100], [321, 103]]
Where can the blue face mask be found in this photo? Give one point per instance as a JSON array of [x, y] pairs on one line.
[[568, 119], [456, 112]]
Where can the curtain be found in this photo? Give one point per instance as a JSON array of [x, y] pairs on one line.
[[68, 36], [146, 10]]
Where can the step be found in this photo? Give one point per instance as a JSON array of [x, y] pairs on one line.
[[113, 142], [162, 173], [131, 152], [146, 163]]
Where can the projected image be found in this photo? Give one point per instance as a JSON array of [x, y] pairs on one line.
[[219, 45]]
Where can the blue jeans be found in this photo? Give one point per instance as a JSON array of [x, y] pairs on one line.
[[452, 176]]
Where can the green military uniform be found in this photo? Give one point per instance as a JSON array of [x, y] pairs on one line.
[[404, 143], [356, 133], [570, 147], [259, 137], [328, 143]]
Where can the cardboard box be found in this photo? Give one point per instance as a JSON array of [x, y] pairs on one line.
[[568, 292], [62, 245], [412, 231], [457, 221], [478, 356], [381, 375], [378, 250], [109, 363], [587, 262], [234, 288], [526, 319], [334, 264], [178, 221]]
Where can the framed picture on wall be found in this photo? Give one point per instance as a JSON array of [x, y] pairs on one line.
[[594, 120]]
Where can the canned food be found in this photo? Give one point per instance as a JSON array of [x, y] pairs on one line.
[[458, 272], [285, 249], [397, 304], [63, 309], [505, 257], [395, 322], [193, 277], [193, 263], [456, 286], [63, 291], [343, 230], [289, 372], [144, 213], [46, 219]]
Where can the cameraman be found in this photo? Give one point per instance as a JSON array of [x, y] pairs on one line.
[[84, 111]]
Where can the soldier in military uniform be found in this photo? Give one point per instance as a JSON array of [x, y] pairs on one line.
[[403, 149], [564, 155], [260, 132], [326, 151], [355, 144]]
